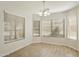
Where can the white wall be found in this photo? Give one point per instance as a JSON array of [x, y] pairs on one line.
[[8, 48]]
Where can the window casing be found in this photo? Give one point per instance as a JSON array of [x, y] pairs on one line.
[[14, 27]]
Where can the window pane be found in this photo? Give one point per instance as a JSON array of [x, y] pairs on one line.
[[72, 25], [57, 28], [46, 27], [19, 28], [36, 28], [9, 27]]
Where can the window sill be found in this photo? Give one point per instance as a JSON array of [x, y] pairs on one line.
[[14, 40]]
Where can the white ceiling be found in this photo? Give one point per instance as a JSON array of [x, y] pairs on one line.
[[54, 6]]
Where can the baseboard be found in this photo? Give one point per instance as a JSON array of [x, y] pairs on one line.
[[56, 44]]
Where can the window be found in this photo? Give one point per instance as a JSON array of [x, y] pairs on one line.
[[57, 27], [13, 27], [20, 28], [36, 25], [72, 24], [50, 26], [36, 28], [46, 27], [53, 27]]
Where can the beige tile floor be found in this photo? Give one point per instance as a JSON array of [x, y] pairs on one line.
[[45, 50]]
